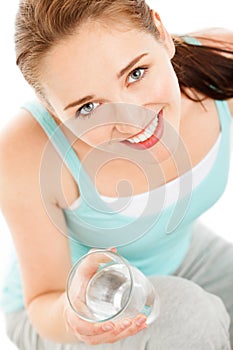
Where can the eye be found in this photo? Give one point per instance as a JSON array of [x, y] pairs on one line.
[[136, 74], [87, 109]]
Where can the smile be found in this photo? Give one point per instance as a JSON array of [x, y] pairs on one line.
[[149, 136]]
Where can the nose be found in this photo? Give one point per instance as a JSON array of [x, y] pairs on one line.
[[126, 118], [130, 118], [124, 130]]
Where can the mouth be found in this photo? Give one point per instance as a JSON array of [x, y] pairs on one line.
[[149, 136]]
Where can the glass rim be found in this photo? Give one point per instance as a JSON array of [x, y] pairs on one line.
[[124, 261]]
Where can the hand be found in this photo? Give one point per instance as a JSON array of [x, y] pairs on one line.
[[101, 333], [95, 333]]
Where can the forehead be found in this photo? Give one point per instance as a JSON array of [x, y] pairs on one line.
[[91, 54]]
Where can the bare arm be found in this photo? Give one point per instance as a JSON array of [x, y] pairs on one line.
[[42, 249], [38, 230]]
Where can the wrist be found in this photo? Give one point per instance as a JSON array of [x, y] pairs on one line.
[[47, 315]]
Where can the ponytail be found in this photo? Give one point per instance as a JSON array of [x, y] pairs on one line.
[[206, 69]]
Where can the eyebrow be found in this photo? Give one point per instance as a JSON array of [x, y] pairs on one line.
[[79, 102], [130, 65], [119, 75]]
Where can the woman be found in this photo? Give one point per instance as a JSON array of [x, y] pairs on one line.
[[148, 119]]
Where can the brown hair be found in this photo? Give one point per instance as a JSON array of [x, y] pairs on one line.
[[42, 23], [207, 69]]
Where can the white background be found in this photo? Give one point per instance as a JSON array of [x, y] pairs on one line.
[[179, 16]]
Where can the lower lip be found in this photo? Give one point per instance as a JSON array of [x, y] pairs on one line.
[[153, 139]]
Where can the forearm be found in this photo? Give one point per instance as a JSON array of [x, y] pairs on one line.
[[46, 314]]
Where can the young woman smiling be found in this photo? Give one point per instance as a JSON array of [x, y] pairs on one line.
[[125, 146]]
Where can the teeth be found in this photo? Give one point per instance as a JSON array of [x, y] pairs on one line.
[[146, 134], [142, 137], [134, 140]]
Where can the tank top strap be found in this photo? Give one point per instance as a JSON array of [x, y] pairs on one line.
[[191, 40], [56, 136], [224, 115], [87, 190]]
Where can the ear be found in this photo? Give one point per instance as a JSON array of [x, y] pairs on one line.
[[165, 37]]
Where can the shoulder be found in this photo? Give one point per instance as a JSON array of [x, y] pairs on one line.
[[22, 141], [216, 37], [22, 145]]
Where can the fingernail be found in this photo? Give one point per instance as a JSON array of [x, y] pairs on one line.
[[107, 327], [113, 249], [125, 323], [140, 321]]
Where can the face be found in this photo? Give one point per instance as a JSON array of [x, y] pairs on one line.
[[112, 86]]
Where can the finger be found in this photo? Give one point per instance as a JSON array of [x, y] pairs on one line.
[[85, 328], [94, 259], [95, 330], [113, 249], [90, 264], [138, 321], [122, 330], [84, 272], [126, 328]]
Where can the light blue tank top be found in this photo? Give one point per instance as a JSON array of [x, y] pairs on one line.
[[161, 240], [158, 239]]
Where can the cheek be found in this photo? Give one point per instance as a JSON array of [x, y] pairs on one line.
[[170, 87], [173, 86], [97, 136], [163, 86]]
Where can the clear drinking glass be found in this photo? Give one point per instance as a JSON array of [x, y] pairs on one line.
[[103, 286]]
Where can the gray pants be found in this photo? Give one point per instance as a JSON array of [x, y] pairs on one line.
[[193, 312]]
